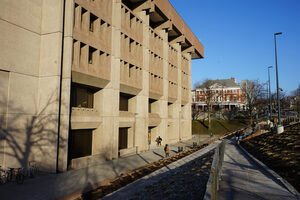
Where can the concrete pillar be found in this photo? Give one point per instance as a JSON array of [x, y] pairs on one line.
[[163, 101], [66, 87], [113, 88], [141, 118]]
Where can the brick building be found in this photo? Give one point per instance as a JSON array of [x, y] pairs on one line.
[[86, 80], [226, 94]]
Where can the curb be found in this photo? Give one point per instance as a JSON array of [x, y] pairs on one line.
[[276, 176]]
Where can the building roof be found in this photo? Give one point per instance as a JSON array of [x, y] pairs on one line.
[[224, 83], [181, 26]]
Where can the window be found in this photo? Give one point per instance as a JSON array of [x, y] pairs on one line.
[[131, 70], [84, 16], [123, 138], [82, 96], [92, 52], [93, 20], [80, 143], [124, 102], [131, 45], [151, 104], [234, 98]]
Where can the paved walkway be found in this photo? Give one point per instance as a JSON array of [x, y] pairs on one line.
[[242, 179], [55, 186]]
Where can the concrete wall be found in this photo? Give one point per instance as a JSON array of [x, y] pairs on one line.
[[30, 57], [49, 47]]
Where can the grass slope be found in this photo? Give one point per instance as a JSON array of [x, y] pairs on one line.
[[218, 127]]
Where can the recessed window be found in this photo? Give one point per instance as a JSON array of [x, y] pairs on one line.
[[82, 96], [124, 102], [83, 15], [93, 20], [80, 143], [123, 138], [92, 52]]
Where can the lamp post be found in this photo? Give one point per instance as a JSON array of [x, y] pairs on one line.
[[277, 83], [270, 102]]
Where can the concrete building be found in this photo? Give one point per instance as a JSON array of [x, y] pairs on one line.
[[86, 80], [227, 94]]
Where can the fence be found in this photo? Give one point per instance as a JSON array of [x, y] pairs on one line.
[[214, 177]]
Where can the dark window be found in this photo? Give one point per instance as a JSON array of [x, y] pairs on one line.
[[150, 105], [92, 55], [80, 143], [123, 138], [123, 104], [93, 20], [82, 96]]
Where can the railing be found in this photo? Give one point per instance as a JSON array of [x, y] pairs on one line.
[[215, 173]]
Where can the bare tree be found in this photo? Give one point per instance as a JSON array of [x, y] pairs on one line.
[[195, 112], [284, 103], [210, 97], [296, 94], [254, 92]]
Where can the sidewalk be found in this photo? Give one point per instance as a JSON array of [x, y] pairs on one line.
[[54, 186], [242, 179]]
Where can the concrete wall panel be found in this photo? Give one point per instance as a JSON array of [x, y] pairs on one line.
[[19, 49], [22, 13], [23, 91], [50, 54]]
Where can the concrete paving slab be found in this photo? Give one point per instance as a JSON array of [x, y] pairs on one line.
[[243, 179]]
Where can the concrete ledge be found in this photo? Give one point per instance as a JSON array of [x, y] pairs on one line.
[[78, 163], [128, 152], [286, 184]]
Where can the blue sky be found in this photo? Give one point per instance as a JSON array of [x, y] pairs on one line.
[[238, 40]]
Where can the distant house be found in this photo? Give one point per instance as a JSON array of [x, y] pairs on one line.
[[227, 95], [294, 102]]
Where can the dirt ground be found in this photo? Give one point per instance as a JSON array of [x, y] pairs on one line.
[[280, 152]]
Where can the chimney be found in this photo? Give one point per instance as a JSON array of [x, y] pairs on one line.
[[233, 79]]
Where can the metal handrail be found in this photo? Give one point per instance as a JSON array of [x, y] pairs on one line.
[[215, 172]]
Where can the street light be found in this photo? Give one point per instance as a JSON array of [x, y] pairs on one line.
[[270, 102], [277, 83]]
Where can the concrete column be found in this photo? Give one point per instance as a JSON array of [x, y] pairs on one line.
[[66, 87], [53, 88], [162, 129], [141, 118], [112, 90], [186, 128]]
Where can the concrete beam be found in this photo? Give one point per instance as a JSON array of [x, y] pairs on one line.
[[164, 25], [178, 40], [190, 49], [145, 6]]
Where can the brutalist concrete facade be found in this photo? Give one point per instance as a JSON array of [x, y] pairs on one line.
[[82, 81]]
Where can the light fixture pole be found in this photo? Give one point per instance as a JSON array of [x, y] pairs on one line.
[[270, 102], [277, 82]]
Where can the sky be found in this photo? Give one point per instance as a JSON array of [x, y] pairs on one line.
[[238, 39]]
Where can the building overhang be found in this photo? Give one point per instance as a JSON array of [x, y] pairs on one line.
[[164, 17]]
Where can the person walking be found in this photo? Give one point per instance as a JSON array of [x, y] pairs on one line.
[[167, 150], [158, 140]]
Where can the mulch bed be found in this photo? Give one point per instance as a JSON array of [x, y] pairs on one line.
[[110, 185], [280, 152], [185, 182]]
